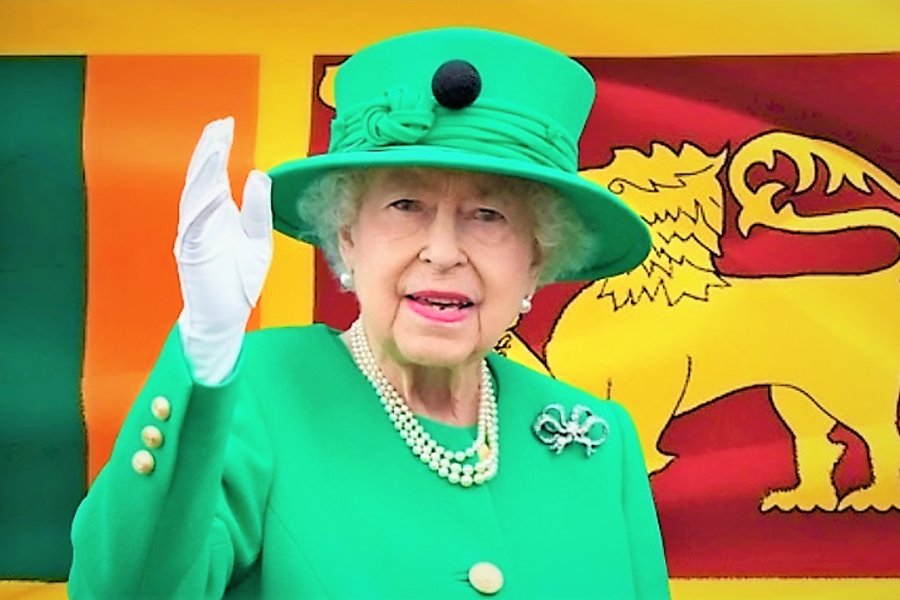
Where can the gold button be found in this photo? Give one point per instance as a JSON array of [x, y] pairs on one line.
[[143, 462], [152, 436], [486, 578], [161, 408]]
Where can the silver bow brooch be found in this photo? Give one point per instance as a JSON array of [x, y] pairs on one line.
[[552, 428]]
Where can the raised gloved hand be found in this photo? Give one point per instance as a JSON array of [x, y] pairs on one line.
[[223, 255]]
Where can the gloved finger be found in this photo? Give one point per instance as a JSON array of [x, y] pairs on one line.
[[197, 242], [208, 172], [256, 211], [206, 187], [215, 133]]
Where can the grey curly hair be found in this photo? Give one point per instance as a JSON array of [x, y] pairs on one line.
[[331, 203]]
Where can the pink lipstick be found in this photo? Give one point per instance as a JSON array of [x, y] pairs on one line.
[[440, 307]]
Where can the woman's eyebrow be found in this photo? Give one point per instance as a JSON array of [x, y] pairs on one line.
[[494, 192], [410, 179]]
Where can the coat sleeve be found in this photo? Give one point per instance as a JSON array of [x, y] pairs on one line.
[[651, 580], [192, 524]]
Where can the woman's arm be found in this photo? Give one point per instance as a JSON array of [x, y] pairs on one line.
[[194, 522], [182, 518]]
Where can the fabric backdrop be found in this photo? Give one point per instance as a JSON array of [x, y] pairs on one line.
[[758, 347]]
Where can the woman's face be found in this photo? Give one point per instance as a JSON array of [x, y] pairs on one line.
[[441, 261]]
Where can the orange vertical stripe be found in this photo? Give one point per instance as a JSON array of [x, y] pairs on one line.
[[143, 116]]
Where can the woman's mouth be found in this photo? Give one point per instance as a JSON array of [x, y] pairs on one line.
[[442, 307]]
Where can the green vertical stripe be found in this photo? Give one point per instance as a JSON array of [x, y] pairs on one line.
[[42, 307]]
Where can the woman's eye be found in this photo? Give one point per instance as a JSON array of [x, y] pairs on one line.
[[406, 205], [488, 215]]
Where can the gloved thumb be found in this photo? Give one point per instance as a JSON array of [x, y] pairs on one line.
[[256, 210]]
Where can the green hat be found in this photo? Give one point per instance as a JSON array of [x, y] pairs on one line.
[[473, 100]]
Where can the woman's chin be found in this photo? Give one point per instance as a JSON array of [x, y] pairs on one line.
[[436, 352]]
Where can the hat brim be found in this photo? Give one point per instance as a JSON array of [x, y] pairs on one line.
[[622, 238]]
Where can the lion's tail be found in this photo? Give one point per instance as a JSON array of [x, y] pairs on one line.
[[843, 165]]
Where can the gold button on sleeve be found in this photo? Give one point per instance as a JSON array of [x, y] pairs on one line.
[[143, 462], [152, 436], [486, 578], [161, 408]]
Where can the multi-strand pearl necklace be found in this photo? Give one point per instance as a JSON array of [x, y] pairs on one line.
[[455, 467]]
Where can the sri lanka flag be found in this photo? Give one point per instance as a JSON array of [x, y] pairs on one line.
[[93, 149], [93, 152]]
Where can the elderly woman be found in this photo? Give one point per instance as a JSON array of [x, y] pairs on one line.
[[401, 458]]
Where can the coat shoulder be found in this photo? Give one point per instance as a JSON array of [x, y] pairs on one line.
[[539, 389], [276, 347], [289, 335]]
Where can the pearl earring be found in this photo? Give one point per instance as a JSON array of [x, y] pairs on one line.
[[526, 305], [346, 279]]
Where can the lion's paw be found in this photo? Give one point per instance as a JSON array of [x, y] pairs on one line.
[[804, 498], [880, 497]]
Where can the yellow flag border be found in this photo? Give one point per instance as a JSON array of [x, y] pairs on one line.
[[682, 589], [286, 36]]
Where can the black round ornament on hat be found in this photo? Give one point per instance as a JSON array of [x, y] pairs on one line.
[[456, 84]]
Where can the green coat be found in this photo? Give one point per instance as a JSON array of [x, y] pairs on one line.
[[289, 481]]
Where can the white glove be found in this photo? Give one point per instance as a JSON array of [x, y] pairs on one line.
[[222, 254]]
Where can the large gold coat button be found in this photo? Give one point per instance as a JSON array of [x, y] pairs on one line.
[[143, 462], [161, 408], [152, 436], [486, 578]]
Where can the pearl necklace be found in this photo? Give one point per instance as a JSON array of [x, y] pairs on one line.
[[447, 464]]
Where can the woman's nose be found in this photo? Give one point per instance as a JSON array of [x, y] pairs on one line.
[[442, 246]]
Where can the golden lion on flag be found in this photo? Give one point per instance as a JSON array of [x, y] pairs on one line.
[[675, 334]]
